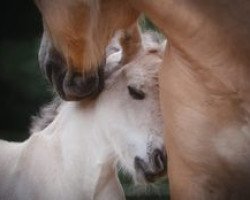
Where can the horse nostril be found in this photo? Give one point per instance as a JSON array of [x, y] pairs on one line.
[[77, 86], [160, 160], [77, 82]]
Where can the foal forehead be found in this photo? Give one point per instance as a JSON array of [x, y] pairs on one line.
[[146, 64], [143, 69]]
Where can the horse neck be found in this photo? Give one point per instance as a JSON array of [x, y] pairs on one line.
[[206, 36]]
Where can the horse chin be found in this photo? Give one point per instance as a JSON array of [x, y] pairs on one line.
[[145, 178]]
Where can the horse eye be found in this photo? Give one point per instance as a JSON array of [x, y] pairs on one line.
[[136, 94]]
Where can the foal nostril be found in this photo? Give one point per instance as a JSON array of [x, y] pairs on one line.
[[154, 168], [159, 159]]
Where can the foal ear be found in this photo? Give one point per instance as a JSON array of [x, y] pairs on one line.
[[130, 41]]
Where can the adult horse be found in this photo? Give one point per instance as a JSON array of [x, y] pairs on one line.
[[204, 88]]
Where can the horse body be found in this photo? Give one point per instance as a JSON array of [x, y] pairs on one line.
[[75, 156], [210, 150], [206, 80]]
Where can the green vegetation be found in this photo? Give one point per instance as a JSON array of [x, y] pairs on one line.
[[155, 191], [23, 87]]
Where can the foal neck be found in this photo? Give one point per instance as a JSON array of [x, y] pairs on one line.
[[84, 149], [78, 129]]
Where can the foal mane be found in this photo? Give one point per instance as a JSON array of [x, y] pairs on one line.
[[46, 115]]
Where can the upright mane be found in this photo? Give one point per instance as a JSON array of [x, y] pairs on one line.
[[46, 115]]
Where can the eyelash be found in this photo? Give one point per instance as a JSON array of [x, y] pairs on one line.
[[136, 94]]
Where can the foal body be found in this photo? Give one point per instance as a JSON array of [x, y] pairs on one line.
[[67, 160], [75, 156]]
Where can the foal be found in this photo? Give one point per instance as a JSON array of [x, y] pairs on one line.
[[74, 157]]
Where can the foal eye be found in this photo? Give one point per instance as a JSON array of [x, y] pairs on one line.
[[136, 94]]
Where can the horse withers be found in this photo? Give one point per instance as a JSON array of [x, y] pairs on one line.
[[73, 150]]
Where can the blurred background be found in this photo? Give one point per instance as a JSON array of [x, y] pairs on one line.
[[23, 88]]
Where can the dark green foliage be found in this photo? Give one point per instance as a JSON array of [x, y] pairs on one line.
[[146, 24], [155, 191], [23, 88], [20, 19]]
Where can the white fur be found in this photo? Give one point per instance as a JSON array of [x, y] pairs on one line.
[[75, 156]]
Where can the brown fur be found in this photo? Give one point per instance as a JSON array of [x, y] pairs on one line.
[[81, 31], [204, 88], [205, 96]]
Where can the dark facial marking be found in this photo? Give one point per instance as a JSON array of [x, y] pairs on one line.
[[136, 94]]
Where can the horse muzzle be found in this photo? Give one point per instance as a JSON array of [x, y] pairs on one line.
[[69, 84]]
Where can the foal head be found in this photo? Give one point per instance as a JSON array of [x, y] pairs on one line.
[[76, 33], [129, 112]]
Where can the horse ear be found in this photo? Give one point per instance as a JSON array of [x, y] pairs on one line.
[[122, 49], [130, 41]]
